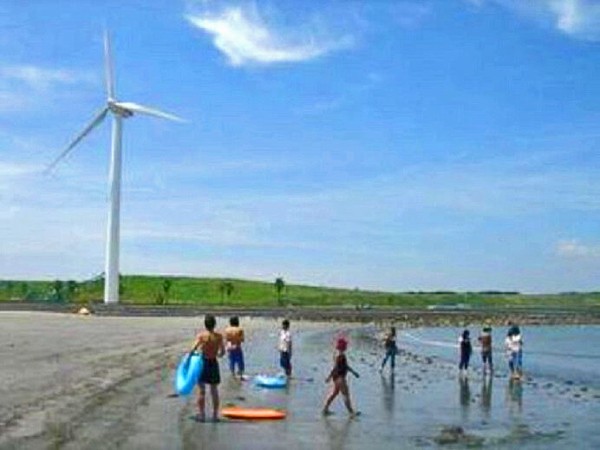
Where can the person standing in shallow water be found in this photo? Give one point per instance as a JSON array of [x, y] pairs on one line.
[[210, 344], [466, 349], [285, 347], [338, 376], [234, 337], [391, 349], [514, 352], [485, 339]]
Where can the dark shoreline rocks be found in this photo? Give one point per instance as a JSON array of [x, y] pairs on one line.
[[409, 318], [456, 435]]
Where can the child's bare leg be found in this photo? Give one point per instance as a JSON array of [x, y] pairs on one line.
[[335, 391], [346, 393], [214, 392], [201, 401]]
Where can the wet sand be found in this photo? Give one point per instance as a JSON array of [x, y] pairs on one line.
[[69, 381]]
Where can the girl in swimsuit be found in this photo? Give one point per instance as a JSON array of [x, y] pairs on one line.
[[338, 375]]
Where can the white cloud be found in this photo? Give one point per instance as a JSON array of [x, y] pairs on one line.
[[12, 176], [54, 227], [245, 37], [572, 248], [579, 19], [12, 101], [25, 86], [9, 170], [42, 78]]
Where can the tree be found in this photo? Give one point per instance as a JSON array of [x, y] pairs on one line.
[[279, 287], [166, 286], [229, 288], [57, 290], [121, 285], [24, 290], [226, 288], [71, 289]]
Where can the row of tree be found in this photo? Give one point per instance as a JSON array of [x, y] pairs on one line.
[[226, 290], [60, 291]]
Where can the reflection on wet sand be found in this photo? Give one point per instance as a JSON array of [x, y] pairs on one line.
[[337, 432], [464, 396], [514, 396], [388, 384], [486, 396]]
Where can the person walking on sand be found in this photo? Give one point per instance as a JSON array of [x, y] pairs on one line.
[[234, 337], [338, 376], [285, 347], [464, 342], [485, 340], [210, 344], [391, 349], [514, 352]]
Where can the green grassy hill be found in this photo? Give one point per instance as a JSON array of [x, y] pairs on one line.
[[158, 290]]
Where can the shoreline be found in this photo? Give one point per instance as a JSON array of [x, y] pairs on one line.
[[402, 317]]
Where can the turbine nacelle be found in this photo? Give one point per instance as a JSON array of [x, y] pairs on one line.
[[115, 108]]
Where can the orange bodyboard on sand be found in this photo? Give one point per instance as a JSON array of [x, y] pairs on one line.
[[253, 413]]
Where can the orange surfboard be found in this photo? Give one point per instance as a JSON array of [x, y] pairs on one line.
[[253, 413]]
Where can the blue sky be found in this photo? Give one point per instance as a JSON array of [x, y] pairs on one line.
[[390, 145]]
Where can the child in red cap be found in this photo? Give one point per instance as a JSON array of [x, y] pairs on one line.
[[338, 375]]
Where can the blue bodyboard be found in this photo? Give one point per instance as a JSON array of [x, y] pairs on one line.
[[188, 372], [270, 381]]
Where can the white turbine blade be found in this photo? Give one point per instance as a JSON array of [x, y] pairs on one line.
[[141, 109], [93, 124], [108, 67]]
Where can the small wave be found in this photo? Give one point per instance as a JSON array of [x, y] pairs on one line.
[[448, 344]]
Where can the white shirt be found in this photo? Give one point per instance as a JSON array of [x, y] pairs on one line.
[[285, 341], [513, 343]]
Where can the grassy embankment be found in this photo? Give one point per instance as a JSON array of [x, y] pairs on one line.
[[154, 290]]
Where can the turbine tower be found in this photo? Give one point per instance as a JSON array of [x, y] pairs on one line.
[[119, 111]]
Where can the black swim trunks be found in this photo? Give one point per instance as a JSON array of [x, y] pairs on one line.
[[210, 372]]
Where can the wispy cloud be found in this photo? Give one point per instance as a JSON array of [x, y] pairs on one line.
[[350, 93], [572, 248], [245, 36], [409, 14], [579, 19], [24, 86], [42, 78], [13, 170]]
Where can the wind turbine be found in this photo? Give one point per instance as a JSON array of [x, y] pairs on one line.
[[119, 111]]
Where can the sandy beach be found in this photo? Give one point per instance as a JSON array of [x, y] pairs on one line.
[[98, 382], [71, 381]]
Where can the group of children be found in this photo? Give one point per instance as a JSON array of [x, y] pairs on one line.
[[513, 345], [214, 345]]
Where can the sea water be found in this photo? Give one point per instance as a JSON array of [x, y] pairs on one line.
[[561, 353]]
